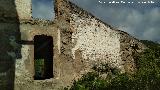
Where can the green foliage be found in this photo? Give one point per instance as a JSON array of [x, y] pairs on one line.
[[39, 67], [90, 81], [147, 76], [151, 45]]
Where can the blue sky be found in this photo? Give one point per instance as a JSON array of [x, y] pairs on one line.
[[43, 9], [140, 20]]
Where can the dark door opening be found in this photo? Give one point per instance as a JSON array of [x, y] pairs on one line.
[[43, 57]]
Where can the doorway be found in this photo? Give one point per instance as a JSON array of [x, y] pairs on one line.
[[43, 57]]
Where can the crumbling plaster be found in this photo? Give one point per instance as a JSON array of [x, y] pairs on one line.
[[96, 41], [23, 9], [24, 70], [80, 41]]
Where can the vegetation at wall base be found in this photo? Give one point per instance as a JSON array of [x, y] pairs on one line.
[[39, 68], [147, 76]]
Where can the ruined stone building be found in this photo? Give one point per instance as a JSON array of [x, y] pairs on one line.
[[70, 45]]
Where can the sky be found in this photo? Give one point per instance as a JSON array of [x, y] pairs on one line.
[[140, 19]]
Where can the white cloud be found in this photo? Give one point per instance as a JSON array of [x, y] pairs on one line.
[[141, 23], [149, 34]]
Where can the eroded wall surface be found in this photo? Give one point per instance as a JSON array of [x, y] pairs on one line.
[[96, 41], [24, 70], [23, 9], [130, 47], [81, 41], [87, 41]]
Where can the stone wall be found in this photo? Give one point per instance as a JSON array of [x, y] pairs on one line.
[[24, 71], [89, 41], [23, 9], [97, 42], [89, 37], [81, 41], [130, 47]]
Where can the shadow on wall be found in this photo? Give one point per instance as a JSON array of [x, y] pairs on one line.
[[9, 48]]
